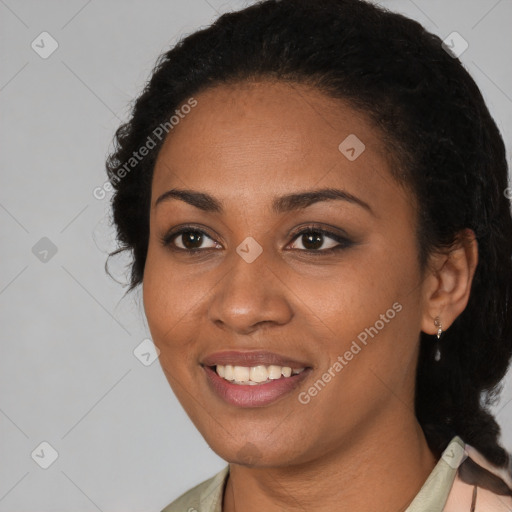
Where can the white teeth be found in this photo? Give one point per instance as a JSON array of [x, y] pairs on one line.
[[228, 372], [256, 374], [241, 373], [274, 372], [286, 371]]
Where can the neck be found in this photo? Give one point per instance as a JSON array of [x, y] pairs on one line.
[[384, 468]]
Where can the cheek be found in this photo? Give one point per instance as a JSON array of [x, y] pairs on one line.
[[166, 312], [371, 312], [363, 287], [167, 301]]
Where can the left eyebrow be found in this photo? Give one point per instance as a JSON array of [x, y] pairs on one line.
[[282, 204], [302, 200]]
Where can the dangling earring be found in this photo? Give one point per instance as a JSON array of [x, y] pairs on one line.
[[437, 323]]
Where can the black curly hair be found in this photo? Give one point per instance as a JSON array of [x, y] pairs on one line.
[[448, 150]]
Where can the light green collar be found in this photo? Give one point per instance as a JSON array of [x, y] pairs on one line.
[[432, 497], [434, 493]]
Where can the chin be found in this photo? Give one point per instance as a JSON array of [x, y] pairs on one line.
[[252, 454]]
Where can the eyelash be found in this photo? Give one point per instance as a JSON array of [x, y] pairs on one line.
[[344, 243]]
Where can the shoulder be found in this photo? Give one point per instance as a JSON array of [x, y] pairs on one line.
[[204, 497], [480, 486]]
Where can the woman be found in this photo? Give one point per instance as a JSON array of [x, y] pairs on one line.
[[314, 194]]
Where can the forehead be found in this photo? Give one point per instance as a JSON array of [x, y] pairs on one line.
[[264, 135]]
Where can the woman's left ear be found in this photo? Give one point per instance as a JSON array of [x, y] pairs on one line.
[[447, 285]]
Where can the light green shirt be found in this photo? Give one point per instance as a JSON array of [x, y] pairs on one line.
[[207, 496]]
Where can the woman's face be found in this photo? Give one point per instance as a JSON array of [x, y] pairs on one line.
[[347, 305]]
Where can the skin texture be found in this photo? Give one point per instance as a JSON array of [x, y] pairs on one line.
[[246, 144]]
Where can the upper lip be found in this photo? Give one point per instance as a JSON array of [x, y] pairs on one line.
[[254, 358]]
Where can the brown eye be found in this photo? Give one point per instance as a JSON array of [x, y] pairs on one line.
[[187, 239], [191, 239], [313, 240]]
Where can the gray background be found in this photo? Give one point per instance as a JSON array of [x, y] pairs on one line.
[[68, 373]]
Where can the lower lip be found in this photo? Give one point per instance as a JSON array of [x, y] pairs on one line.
[[242, 395]]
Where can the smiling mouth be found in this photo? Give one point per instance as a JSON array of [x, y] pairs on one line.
[[254, 375], [272, 383]]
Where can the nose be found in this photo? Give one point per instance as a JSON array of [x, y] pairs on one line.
[[249, 296]]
